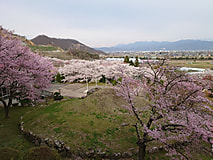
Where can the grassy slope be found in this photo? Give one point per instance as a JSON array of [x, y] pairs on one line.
[[82, 123], [9, 131], [91, 122]]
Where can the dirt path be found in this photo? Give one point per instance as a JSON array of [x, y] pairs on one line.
[[76, 90]]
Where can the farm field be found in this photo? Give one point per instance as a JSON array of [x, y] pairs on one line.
[[205, 64]]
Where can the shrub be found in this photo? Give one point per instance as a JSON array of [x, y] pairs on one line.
[[58, 96], [41, 153], [59, 77], [8, 154], [25, 102]]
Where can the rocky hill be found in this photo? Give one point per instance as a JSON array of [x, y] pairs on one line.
[[65, 44]]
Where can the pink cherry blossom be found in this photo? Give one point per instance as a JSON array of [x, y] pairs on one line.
[[23, 73], [178, 110]]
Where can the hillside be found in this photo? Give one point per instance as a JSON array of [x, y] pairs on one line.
[[23, 39], [93, 122], [65, 44], [58, 48], [164, 45]]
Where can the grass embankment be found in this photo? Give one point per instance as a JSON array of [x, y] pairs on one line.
[[10, 135], [83, 123], [93, 122]]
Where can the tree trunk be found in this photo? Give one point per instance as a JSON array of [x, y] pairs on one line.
[[142, 151], [6, 107], [6, 111]]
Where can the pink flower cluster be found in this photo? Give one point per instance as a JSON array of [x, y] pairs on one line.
[[179, 112], [23, 72]]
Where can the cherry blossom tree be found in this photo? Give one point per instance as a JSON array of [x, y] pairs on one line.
[[82, 70], [178, 112], [23, 73]]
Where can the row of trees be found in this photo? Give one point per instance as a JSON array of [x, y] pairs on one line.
[[127, 60], [22, 72], [91, 71]]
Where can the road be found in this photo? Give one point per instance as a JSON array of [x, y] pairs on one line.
[[76, 90]]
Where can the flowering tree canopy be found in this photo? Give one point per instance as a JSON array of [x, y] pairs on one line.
[[22, 73], [178, 112], [80, 70]]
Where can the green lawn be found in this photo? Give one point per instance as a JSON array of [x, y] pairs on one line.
[[83, 123], [9, 131]]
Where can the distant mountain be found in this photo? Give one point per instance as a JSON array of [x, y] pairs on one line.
[[164, 45], [66, 44]]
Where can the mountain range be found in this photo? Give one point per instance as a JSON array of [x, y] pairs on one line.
[[163, 45], [65, 44]]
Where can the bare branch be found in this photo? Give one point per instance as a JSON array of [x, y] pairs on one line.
[[137, 131]]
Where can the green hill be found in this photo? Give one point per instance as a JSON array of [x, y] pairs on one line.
[[95, 121]]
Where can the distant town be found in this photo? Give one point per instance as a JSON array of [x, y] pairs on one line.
[[162, 54]]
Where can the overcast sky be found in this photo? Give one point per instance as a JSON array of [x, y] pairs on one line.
[[99, 23]]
